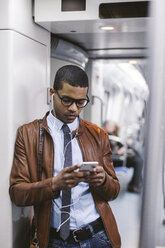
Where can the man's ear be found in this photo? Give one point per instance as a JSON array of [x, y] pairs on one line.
[[52, 91]]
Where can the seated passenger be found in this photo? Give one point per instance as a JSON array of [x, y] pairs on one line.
[[133, 158]]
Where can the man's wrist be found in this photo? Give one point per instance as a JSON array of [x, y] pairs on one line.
[[54, 184]]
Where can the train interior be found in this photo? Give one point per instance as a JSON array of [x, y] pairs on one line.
[[111, 41]]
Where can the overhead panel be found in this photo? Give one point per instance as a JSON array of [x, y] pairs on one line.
[[124, 10], [51, 11], [73, 5], [82, 22]]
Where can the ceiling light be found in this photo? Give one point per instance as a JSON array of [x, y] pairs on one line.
[[107, 28], [133, 62]]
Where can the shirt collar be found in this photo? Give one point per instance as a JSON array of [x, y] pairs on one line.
[[57, 124]]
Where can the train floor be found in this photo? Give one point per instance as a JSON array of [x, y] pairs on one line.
[[127, 211]]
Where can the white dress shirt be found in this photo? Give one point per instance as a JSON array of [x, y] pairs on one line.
[[82, 209]]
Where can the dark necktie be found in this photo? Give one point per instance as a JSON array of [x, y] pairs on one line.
[[66, 194]]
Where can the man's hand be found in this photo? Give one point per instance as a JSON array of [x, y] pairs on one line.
[[97, 176], [69, 177]]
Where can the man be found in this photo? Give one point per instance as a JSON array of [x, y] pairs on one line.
[[89, 221]]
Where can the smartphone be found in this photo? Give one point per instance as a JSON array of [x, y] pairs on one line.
[[88, 166]]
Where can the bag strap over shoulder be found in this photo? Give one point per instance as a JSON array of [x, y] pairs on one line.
[[40, 151], [34, 242]]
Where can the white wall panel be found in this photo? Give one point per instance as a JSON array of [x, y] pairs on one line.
[[18, 15], [5, 143], [29, 73], [4, 16], [23, 97]]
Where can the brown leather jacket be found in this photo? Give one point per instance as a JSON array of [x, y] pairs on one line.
[[25, 190]]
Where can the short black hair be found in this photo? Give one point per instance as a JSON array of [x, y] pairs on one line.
[[71, 74]]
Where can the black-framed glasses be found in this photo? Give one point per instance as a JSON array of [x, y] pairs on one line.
[[67, 101]]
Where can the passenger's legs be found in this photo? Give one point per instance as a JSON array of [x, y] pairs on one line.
[[136, 182]]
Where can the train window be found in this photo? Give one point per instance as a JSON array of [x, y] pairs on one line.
[[124, 10], [73, 5]]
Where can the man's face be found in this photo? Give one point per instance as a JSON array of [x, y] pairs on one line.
[[68, 114]]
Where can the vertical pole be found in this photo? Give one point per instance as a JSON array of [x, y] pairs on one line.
[[152, 207]]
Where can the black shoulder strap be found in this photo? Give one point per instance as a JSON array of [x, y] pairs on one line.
[[40, 151], [35, 242]]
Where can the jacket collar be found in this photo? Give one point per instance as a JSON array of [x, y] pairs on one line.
[[44, 122], [74, 133]]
